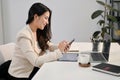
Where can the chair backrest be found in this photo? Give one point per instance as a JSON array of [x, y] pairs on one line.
[[6, 51], [1, 58]]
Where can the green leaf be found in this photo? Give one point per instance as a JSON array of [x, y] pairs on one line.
[[102, 34], [100, 2], [100, 22], [96, 14], [111, 26], [104, 29], [107, 27], [112, 18], [109, 7], [95, 34]]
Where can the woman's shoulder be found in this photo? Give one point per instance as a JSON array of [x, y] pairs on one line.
[[25, 32]]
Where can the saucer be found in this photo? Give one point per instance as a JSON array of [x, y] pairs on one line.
[[84, 65]]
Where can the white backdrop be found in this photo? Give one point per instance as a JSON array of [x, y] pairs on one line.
[[1, 27], [70, 18]]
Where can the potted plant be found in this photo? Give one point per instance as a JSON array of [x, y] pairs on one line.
[[106, 23]]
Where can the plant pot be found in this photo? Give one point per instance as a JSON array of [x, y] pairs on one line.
[[106, 49]]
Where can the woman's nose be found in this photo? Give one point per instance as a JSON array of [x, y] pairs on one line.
[[47, 22]]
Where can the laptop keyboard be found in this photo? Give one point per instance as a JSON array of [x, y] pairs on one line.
[[97, 57]]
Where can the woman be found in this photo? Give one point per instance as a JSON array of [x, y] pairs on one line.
[[33, 43]]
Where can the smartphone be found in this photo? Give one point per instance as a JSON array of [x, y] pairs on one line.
[[71, 41]]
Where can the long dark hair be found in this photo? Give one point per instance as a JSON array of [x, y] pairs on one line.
[[43, 36]]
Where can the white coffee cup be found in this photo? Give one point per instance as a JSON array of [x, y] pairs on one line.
[[83, 58]]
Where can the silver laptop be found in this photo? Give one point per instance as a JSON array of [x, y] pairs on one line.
[[99, 57]]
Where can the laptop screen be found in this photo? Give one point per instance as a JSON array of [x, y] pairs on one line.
[[106, 50], [106, 55]]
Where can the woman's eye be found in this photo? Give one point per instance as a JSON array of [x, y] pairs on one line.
[[46, 17]]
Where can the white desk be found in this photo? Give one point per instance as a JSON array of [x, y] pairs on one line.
[[71, 71]]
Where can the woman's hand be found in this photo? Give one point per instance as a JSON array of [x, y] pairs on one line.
[[64, 46]]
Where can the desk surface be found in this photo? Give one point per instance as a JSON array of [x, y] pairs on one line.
[[72, 71]]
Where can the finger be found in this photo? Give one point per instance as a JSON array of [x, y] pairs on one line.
[[67, 48]]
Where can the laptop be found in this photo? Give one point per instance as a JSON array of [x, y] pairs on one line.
[[97, 56]]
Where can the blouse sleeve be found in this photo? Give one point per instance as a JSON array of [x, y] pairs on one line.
[[52, 46]]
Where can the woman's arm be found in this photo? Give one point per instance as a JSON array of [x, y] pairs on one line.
[[33, 57], [52, 47]]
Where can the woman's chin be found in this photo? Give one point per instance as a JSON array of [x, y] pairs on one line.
[[41, 28]]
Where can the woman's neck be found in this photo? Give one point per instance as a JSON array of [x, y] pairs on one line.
[[33, 27]]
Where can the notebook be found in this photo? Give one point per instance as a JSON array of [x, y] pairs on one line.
[[107, 68], [71, 57]]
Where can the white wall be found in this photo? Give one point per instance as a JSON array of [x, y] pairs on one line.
[[70, 18], [1, 27]]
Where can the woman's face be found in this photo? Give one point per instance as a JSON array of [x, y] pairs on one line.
[[42, 20]]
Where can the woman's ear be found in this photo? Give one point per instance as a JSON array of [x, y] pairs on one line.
[[36, 17]]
